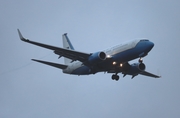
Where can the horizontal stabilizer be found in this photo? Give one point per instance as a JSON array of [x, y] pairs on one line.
[[60, 66]]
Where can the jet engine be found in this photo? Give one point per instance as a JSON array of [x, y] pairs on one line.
[[97, 57], [135, 69]]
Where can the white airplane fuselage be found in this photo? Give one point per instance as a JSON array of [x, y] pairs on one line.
[[119, 54]]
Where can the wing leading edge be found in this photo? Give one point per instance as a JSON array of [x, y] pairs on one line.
[[71, 54]]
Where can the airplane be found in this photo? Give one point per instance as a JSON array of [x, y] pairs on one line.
[[113, 60]]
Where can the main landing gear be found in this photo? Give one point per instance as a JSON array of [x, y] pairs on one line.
[[115, 77]]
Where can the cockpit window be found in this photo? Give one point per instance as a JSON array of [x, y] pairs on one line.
[[144, 40]]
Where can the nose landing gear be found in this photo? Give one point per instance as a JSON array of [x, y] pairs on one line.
[[140, 60], [115, 77]]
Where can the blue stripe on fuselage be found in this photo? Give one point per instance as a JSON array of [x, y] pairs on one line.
[[142, 47]]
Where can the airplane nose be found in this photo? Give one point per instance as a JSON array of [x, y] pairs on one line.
[[150, 45]]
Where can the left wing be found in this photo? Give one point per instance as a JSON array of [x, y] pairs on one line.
[[71, 54], [149, 74]]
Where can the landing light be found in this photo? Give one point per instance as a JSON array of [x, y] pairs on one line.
[[108, 56], [121, 65], [114, 63]]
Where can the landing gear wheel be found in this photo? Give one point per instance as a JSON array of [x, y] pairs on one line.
[[115, 77], [140, 60]]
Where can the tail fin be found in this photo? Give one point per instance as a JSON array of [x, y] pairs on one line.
[[67, 45]]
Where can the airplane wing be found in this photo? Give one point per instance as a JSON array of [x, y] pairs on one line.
[[127, 66], [71, 54], [149, 74], [145, 73]]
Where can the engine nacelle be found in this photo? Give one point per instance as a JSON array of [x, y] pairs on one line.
[[97, 57], [136, 68]]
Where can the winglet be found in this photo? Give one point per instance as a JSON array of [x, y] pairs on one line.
[[20, 36]]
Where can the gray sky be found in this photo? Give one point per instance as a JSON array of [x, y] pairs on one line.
[[32, 90]]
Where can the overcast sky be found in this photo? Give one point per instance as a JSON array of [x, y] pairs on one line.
[[33, 90]]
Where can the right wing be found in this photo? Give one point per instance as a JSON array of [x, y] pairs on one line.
[[149, 74], [71, 54]]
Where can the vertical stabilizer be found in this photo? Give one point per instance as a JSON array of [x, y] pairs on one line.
[[67, 45]]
